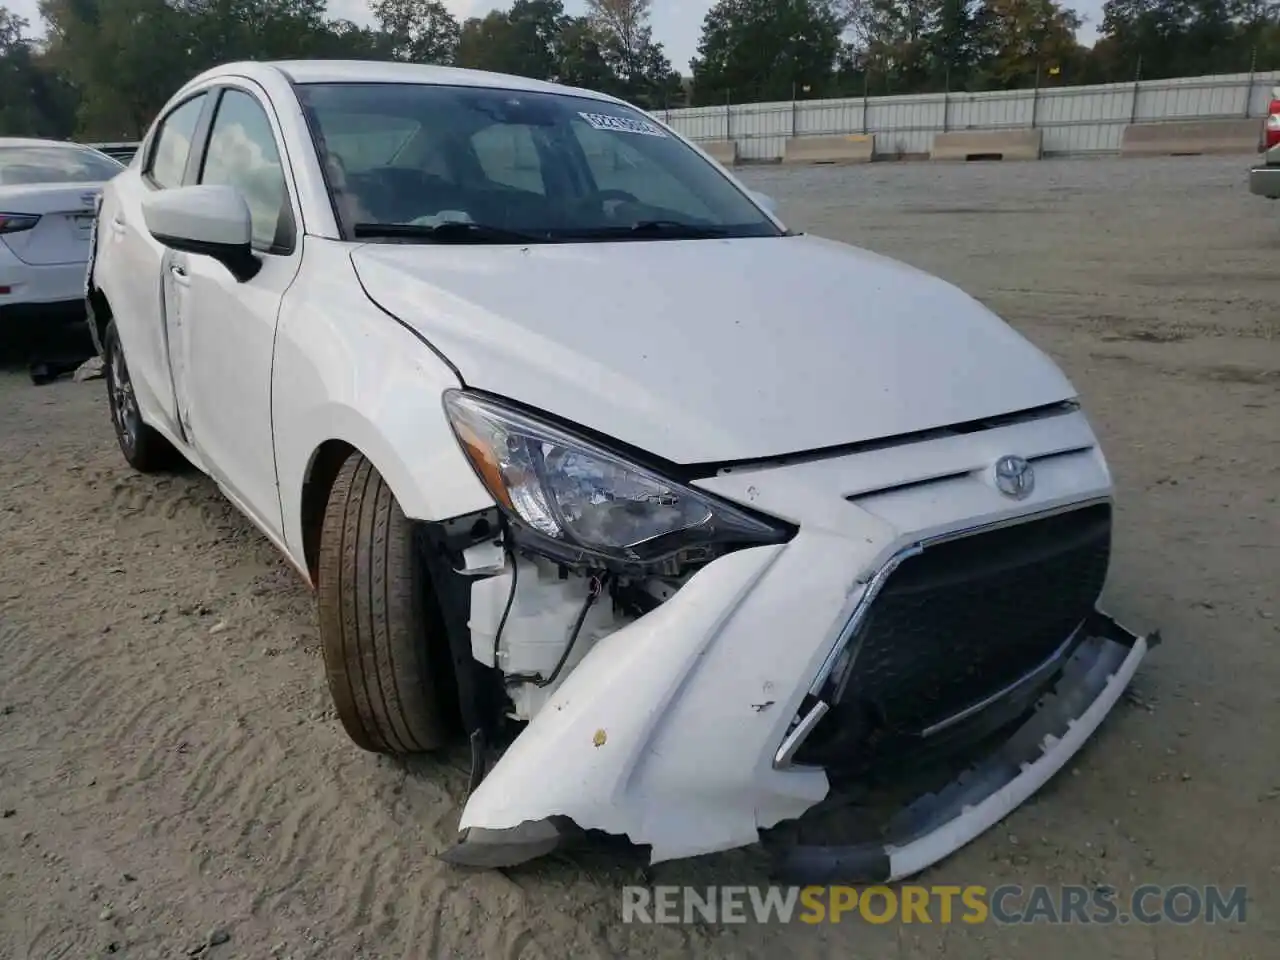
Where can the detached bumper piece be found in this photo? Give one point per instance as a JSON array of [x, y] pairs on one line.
[[933, 826], [491, 849]]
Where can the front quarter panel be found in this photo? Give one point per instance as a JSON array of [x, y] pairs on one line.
[[344, 370]]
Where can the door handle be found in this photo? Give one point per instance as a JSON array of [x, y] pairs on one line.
[[178, 271]]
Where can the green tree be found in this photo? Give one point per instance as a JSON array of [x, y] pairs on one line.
[[1023, 39], [344, 40], [901, 50], [35, 101], [1171, 38], [766, 49], [225, 30], [644, 73], [954, 44], [522, 41], [126, 58], [421, 31], [580, 59]]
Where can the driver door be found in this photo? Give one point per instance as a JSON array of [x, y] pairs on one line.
[[228, 326]]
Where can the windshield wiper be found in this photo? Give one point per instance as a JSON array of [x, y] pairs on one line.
[[651, 230], [675, 228], [451, 231]]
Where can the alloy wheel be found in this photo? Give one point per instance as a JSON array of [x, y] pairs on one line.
[[124, 405]]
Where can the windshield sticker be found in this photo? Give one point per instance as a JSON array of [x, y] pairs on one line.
[[603, 121]]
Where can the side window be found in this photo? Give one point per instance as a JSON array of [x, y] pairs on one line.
[[508, 156], [242, 154], [173, 143], [617, 164]]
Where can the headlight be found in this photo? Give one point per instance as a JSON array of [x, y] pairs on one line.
[[577, 497]]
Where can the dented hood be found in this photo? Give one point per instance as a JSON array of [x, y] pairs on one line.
[[713, 350]]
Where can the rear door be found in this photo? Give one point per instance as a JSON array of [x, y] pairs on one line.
[[140, 282]]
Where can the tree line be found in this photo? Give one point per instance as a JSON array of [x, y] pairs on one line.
[[102, 68]]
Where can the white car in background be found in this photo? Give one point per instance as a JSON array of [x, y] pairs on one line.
[[683, 519], [48, 193]]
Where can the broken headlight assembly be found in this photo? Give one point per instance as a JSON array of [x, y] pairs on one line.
[[580, 504]]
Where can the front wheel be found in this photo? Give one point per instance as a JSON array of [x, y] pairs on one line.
[[382, 636], [144, 449]]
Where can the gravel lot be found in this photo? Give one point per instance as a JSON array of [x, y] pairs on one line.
[[171, 772]]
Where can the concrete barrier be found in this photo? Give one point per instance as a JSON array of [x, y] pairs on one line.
[[853, 148], [724, 152], [1190, 138], [987, 145]]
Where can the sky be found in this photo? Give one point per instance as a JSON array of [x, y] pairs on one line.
[[677, 24]]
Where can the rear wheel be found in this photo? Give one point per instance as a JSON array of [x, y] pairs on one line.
[[145, 449], [377, 625]]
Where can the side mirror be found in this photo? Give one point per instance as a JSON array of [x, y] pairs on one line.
[[210, 221], [765, 201]]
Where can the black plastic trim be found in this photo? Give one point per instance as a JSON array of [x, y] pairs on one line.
[[1106, 646], [441, 545]]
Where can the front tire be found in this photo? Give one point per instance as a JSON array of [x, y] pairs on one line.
[[144, 448], [376, 622]]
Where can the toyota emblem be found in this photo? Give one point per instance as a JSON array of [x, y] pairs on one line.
[[1015, 477]]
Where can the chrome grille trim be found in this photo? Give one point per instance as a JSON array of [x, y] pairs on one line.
[[796, 736]]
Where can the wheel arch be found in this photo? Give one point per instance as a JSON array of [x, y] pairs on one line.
[[429, 485], [317, 484]]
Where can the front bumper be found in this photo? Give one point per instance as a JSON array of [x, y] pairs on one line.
[[674, 730], [936, 824], [1265, 181]]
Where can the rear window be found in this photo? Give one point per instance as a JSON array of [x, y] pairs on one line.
[[53, 163]]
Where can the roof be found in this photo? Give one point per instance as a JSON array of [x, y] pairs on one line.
[[381, 71]]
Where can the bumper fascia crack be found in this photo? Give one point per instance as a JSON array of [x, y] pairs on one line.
[[933, 826]]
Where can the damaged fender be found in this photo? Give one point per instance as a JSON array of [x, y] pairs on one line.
[[650, 735]]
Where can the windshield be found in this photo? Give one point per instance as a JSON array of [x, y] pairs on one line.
[[54, 163], [503, 166]]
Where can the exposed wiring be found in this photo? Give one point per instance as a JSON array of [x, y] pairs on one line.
[[511, 596], [594, 589]]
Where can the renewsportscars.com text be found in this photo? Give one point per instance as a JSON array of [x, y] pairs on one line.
[[974, 904]]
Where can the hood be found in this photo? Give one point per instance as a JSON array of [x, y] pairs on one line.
[[704, 351]]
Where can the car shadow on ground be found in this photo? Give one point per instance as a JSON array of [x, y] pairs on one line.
[[54, 340]]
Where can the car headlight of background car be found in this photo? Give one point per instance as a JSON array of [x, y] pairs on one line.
[[574, 501]]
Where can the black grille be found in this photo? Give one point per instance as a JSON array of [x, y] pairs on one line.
[[961, 622]]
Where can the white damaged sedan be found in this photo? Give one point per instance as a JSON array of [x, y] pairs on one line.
[[684, 520]]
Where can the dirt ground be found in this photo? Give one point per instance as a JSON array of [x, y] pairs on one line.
[[171, 772]]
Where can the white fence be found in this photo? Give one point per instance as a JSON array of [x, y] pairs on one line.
[[1075, 120]]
